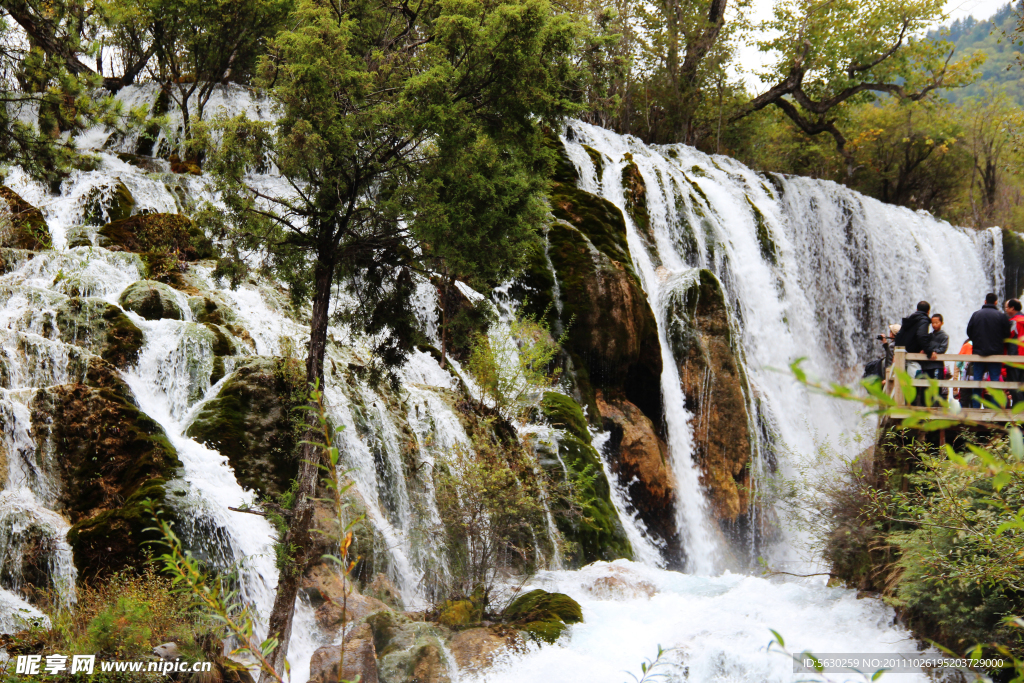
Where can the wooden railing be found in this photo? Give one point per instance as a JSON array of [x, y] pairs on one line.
[[899, 362]]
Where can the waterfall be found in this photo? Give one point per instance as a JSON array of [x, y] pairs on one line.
[[810, 269]]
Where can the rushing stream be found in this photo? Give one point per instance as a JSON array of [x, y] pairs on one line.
[[843, 267]]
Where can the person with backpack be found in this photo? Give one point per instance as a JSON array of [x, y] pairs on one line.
[[914, 335], [988, 329], [1013, 311]]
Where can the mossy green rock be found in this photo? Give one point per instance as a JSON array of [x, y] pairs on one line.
[[101, 328], [164, 233], [543, 615], [713, 380], [152, 300], [109, 204], [254, 421], [634, 190], [109, 458], [27, 228], [459, 613], [563, 412]]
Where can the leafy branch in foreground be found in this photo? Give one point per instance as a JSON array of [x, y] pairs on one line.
[[212, 596], [648, 666], [938, 530], [344, 531]]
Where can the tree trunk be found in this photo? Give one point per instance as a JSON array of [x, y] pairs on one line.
[[300, 529]]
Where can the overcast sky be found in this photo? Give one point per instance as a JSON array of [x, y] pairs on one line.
[[752, 59]]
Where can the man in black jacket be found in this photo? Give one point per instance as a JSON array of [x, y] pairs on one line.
[[914, 333], [988, 329]]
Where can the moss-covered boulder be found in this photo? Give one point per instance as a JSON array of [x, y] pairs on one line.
[[108, 204], [109, 458], [543, 615], [712, 376], [163, 233], [23, 225], [634, 191], [254, 421], [638, 459], [101, 328], [1013, 264], [152, 300], [596, 530]]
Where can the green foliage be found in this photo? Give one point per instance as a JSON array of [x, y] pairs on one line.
[[447, 132], [491, 513], [120, 628], [992, 37], [512, 363]]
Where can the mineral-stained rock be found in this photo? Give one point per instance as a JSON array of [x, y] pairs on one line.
[[475, 649], [157, 232], [108, 457], [713, 381], [612, 337], [27, 228], [598, 531], [101, 328], [408, 651], [639, 460], [323, 587], [152, 300], [254, 421], [360, 659]]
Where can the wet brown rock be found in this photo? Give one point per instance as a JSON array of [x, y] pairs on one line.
[[714, 384], [27, 228], [360, 660], [157, 232], [475, 649], [324, 588]]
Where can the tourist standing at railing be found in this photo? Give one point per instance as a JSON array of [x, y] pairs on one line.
[[914, 335], [1013, 310], [915, 338], [939, 343], [988, 329], [962, 370]]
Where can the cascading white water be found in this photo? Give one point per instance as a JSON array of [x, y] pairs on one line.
[[844, 267]]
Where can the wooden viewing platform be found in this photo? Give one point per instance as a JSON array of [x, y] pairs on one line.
[[895, 390]]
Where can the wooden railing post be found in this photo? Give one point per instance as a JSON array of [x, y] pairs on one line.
[[899, 362]]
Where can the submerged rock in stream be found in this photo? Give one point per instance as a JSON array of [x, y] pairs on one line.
[[152, 300]]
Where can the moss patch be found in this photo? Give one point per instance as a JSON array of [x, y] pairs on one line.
[[596, 217], [110, 457], [769, 250], [543, 615], [164, 233], [634, 190], [28, 228], [101, 328], [597, 159], [564, 413], [254, 422], [562, 168]]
